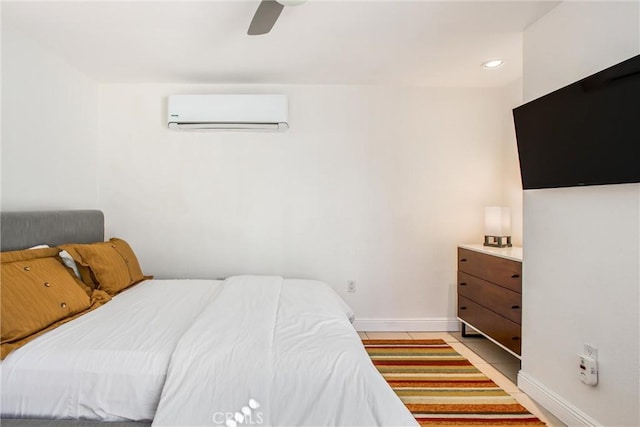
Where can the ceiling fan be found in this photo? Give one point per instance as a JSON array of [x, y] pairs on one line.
[[267, 14]]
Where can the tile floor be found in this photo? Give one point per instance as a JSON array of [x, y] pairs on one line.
[[497, 364]]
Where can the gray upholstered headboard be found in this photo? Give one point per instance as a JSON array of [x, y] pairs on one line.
[[20, 230]]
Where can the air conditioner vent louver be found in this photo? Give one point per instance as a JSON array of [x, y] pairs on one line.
[[228, 112]]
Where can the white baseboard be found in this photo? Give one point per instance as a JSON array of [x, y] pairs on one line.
[[565, 411], [431, 324]]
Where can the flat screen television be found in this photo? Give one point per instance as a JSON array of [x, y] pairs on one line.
[[587, 133]]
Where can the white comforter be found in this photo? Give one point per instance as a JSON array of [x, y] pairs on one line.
[[109, 364], [250, 351]]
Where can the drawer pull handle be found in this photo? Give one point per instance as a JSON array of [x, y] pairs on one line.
[[515, 276], [515, 307], [463, 308], [463, 284], [463, 260], [516, 338]]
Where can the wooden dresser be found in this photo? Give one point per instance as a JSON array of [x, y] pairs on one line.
[[490, 293]]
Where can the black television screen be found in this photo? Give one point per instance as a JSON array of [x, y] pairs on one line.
[[587, 133]]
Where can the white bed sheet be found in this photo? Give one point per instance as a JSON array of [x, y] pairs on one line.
[[285, 345], [191, 352], [109, 364]]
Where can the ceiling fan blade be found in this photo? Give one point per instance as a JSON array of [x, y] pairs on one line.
[[266, 15]]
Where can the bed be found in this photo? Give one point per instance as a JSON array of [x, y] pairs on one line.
[[247, 350]]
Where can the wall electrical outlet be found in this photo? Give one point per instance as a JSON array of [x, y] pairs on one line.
[[591, 351], [351, 286]]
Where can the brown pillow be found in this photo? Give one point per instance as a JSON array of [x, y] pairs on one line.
[[85, 272], [37, 292], [113, 264]]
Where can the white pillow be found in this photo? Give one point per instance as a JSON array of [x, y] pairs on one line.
[[39, 247], [69, 262]]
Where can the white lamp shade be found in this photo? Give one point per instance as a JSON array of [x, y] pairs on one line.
[[497, 221]]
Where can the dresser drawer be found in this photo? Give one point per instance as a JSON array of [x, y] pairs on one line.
[[504, 331], [502, 271], [503, 301]]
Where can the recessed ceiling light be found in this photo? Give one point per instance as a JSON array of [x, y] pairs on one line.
[[494, 63]]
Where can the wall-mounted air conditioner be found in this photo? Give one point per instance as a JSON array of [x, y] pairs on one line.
[[228, 112]]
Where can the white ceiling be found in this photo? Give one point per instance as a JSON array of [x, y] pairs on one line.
[[424, 43]]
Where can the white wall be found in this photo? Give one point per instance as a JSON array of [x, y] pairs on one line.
[[49, 117], [511, 181], [581, 245], [373, 184]]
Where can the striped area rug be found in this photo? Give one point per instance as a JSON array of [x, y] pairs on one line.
[[440, 387]]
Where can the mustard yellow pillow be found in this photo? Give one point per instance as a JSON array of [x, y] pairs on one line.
[[113, 264], [37, 292], [85, 272]]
